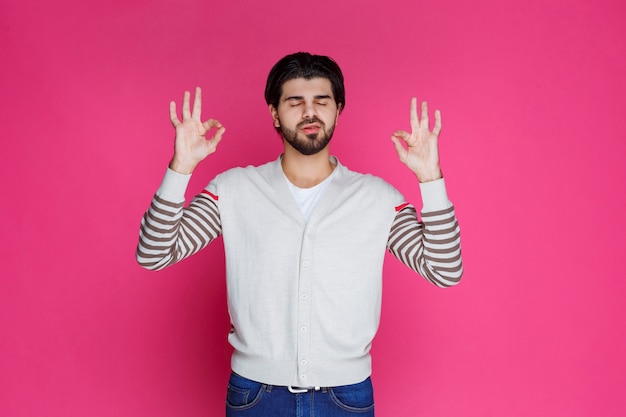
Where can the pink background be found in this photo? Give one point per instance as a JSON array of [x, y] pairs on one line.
[[533, 96]]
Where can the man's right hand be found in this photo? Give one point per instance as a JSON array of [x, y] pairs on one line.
[[191, 145]]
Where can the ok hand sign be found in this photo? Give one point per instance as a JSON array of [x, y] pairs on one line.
[[421, 154], [191, 145]]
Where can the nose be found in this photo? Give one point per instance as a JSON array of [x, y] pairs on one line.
[[308, 111]]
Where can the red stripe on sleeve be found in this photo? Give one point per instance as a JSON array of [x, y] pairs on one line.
[[213, 196], [401, 206]]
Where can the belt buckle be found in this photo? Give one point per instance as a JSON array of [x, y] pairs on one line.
[[301, 390]]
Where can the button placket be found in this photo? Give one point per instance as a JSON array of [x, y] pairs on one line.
[[304, 307]]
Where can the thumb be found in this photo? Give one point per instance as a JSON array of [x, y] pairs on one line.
[[217, 136], [399, 148]]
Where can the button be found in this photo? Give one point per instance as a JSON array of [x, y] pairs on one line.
[[304, 296], [307, 231], [303, 362], [303, 329], [302, 377], [306, 263]]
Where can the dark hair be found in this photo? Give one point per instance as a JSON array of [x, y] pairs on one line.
[[307, 66]]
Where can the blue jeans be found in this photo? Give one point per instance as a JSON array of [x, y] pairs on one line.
[[246, 398]]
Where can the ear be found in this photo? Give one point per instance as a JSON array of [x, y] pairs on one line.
[[274, 114], [339, 107]]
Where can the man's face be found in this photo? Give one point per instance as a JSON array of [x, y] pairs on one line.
[[306, 114]]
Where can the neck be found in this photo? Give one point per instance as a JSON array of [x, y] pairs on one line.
[[306, 171]]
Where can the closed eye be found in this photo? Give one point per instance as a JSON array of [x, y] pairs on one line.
[[294, 101]]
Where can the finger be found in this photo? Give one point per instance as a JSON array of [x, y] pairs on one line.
[[401, 134], [173, 116], [197, 104], [415, 124], [424, 120], [437, 128], [186, 112], [211, 123]]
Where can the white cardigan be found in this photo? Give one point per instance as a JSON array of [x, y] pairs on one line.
[[304, 298]]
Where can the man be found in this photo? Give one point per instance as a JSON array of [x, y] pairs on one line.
[[304, 239]]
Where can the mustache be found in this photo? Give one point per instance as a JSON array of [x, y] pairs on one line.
[[309, 121]]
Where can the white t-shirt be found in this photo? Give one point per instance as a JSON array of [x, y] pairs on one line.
[[308, 198]]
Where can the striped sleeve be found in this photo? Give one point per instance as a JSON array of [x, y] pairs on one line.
[[431, 247], [170, 232]]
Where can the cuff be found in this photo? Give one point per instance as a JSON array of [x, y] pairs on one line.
[[434, 195], [174, 186]]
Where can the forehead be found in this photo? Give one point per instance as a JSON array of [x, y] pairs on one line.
[[300, 87]]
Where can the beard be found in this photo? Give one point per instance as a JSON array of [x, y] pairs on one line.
[[310, 144]]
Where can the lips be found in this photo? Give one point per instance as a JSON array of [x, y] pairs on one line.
[[309, 129], [310, 126]]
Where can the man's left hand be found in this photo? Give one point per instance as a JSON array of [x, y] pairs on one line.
[[421, 154]]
